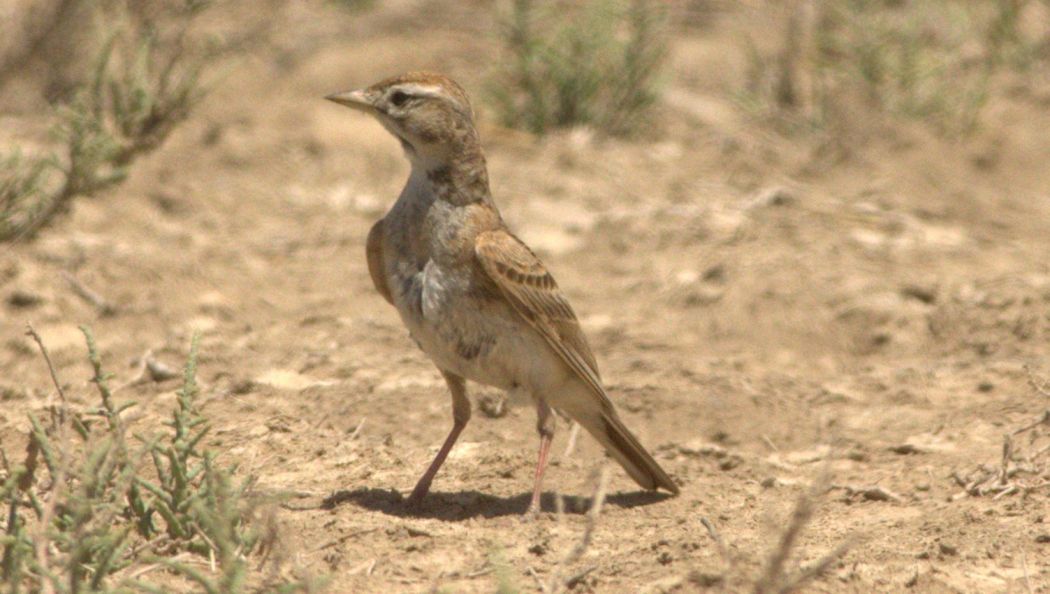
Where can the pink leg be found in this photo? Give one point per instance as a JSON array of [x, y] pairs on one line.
[[460, 416], [545, 425]]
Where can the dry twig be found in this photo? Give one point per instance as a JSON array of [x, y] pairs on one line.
[[558, 581], [816, 570], [774, 578], [1043, 420], [1024, 567], [357, 430], [575, 579], [773, 574], [723, 551], [872, 493], [31, 332], [597, 501], [1001, 481], [103, 305], [58, 481], [570, 442], [1041, 387], [539, 581]]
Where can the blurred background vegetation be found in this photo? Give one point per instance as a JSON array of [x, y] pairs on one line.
[[140, 83], [593, 63], [120, 86], [938, 61]]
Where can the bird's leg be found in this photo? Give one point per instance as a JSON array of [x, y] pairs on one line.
[[460, 416], [545, 425]]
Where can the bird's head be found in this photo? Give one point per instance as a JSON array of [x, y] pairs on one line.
[[429, 113]]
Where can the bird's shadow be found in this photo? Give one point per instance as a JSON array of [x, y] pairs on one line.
[[460, 505]]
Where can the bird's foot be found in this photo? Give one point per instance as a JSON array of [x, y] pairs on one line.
[[533, 511], [415, 500]]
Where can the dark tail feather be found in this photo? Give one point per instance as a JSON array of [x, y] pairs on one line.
[[624, 447]]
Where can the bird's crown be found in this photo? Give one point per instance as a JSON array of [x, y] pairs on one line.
[[404, 88]]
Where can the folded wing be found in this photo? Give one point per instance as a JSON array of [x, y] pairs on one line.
[[525, 283]]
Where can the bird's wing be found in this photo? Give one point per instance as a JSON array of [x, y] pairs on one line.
[[525, 283], [376, 268]]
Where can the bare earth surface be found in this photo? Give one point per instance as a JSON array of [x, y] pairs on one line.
[[764, 313]]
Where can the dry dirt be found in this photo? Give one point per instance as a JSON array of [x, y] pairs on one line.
[[764, 313]]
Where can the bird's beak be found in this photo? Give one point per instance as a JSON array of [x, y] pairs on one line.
[[357, 99]]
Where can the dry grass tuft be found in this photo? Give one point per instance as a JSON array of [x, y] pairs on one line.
[[1021, 470], [776, 577]]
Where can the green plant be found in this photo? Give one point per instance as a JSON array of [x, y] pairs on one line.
[[141, 86], [71, 540], [597, 66], [932, 61], [1005, 41], [22, 195], [179, 466], [105, 512], [355, 5]]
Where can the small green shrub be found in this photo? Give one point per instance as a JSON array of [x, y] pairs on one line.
[[596, 63], [23, 200], [142, 85], [932, 61], [355, 5], [105, 510]]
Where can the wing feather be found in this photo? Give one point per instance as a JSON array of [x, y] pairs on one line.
[[528, 286]]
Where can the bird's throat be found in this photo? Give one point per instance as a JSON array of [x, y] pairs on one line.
[[460, 183]]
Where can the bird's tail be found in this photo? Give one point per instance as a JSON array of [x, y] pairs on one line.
[[622, 445]]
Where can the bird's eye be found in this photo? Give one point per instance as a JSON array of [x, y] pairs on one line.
[[399, 98]]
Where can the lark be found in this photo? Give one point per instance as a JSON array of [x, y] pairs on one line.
[[473, 296]]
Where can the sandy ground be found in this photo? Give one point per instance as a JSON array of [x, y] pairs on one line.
[[764, 314]]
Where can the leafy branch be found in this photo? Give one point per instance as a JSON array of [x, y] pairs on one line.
[[142, 85]]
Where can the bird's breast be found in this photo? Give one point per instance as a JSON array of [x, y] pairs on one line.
[[460, 327]]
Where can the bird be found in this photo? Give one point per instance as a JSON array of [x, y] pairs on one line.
[[473, 296]]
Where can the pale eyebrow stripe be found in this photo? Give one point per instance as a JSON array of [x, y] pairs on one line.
[[433, 91], [422, 90]]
